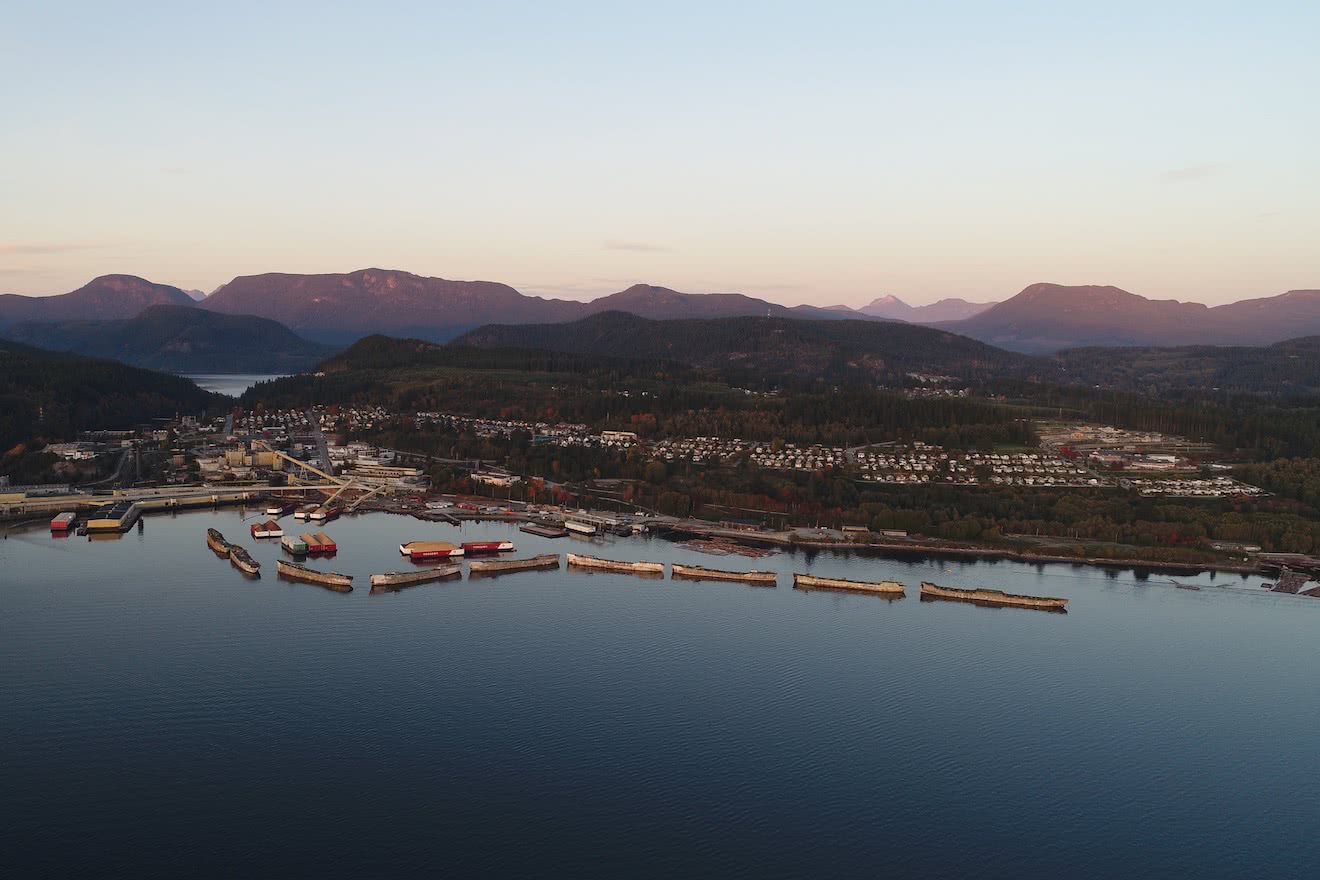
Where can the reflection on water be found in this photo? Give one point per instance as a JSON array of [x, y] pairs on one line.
[[233, 384], [161, 712]]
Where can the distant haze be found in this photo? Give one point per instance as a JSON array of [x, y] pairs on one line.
[[799, 154]]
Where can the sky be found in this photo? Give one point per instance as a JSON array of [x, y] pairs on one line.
[[806, 152]]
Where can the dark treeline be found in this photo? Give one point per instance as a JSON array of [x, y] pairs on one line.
[[1259, 427], [1283, 369], [48, 396]]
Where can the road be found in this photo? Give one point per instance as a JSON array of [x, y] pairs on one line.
[[119, 469], [322, 448]]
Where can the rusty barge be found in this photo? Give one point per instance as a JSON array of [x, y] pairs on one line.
[[243, 561], [577, 560], [996, 598], [492, 567], [393, 581], [340, 583], [890, 589], [701, 573], [217, 542]]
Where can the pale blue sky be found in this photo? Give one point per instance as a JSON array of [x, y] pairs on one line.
[[801, 152]]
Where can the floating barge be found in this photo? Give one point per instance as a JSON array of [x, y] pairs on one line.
[[217, 542], [324, 514], [419, 551], [118, 517], [294, 546], [983, 596], [319, 543], [543, 531], [240, 559], [580, 528], [397, 580], [473, 548], [280, 508], [64, 522], [267, 529], [305, 511], [491, 567], [577, 560], [809, 582], [340, 583], [701, 573]]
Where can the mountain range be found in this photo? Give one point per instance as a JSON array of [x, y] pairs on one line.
[[105, 298], [1050, 317], [894, 309], [342, 307], [179, 339]]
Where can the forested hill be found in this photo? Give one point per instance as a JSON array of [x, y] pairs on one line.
[[52, 396], [388, 353], [831, 350], [180, 339], [1285, 368]]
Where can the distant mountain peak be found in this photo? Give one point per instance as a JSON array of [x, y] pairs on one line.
[[887, 300], [950, 309], [106, 297]]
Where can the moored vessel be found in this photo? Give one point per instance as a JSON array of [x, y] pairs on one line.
[[279, 508], [982, 596], [419, 551], [64, 522], [322, 543], [484, 567], [594, 562], [812, 582], [305, 511], [118, 517], [397, 580], [241, 560], [267, 529], [471, 548], [701, 573], [340, 583], [294, 546], [217, 542], [580, 528], [543, 530]]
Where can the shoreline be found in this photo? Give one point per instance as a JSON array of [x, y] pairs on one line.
[[1026, 557], [786, 540]]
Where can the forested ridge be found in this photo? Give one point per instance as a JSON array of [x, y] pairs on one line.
[[51, 396]]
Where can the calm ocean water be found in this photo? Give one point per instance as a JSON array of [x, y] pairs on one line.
[[232, 384], [163, 716]]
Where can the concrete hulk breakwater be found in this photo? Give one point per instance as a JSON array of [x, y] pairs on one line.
[[807, 582], [576, 560], [340, 583], [701, 573], [217, 542], [243, 561], [397, 580], [992, 597], [492, 567]]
